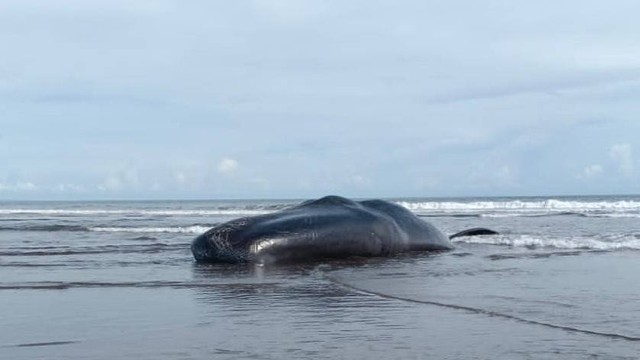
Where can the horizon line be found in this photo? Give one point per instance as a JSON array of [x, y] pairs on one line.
[[399, 197]]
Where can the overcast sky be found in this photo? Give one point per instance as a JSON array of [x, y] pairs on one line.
[[159, 99]]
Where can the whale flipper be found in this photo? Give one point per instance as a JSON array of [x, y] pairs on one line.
[[474, 232]]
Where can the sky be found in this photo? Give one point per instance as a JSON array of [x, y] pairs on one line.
[[206, 99]]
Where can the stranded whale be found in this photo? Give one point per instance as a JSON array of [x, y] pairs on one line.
[[330, 227]]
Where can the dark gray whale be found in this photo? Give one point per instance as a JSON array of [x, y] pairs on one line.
[[330, 227]]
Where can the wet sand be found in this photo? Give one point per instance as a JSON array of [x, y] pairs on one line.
[[370, 308]]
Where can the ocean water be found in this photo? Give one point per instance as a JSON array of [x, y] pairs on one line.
[[105, 280]]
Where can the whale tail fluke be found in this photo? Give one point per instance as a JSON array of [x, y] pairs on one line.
[[474, 232]]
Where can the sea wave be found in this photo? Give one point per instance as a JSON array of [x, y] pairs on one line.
[[137, 212], [64, 285], [628, 242], [513, 208], [194, 229], [97, 250], [55, 227], [486, 207]]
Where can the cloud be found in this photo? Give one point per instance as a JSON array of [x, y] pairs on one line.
[[288, 11], [70, 188], [622, 156], [309, 94], [493, 176], [228, 166], [559, 85], [19, 186], [180, 177], [592, 171], [261, 183], [121, 180]]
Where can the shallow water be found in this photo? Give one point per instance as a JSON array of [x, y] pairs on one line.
[[116, 280]]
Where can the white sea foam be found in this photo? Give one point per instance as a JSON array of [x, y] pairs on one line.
[[136, 212], [489, 208], [520, 207], [625, 242], [195, 229]]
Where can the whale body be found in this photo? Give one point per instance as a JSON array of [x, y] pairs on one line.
[[330, 227]]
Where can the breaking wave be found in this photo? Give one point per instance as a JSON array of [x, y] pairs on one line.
[[628, 242], [541, 207], [481, 207], [193, 229], [138, 212]]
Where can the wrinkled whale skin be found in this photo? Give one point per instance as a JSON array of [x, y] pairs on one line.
[[330, 227]]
